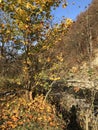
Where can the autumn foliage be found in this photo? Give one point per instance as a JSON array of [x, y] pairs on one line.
[[37, 56], [21, 114]]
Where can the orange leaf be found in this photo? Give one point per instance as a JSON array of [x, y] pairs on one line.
[[76, 89], [14, 118]]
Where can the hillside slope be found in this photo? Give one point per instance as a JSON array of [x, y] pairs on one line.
[[78, 50], [82, 39], [82, 44]]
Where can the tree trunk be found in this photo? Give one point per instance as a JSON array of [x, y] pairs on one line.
[[29, 95]]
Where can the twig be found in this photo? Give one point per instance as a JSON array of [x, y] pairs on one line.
[[49, 90]]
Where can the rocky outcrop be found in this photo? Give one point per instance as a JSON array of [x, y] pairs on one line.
[[75, 105]]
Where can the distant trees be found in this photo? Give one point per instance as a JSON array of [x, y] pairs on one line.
[[83, 34]]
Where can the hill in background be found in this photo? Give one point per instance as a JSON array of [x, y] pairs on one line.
[[79, 47]]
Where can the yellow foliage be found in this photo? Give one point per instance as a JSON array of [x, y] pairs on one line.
[[68, 22], [64, 5], [48, 59], [54, 78], [18, 82], [8, 31], [25, 69], [37, 111], [60, 58], [14, 118], [44, 47], [74, 69], [19, 1]]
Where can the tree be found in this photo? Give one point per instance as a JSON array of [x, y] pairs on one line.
[[31, 21]]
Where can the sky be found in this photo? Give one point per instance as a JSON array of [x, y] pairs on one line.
[[74, 8]]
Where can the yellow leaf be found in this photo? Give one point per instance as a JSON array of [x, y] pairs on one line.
[[40, 118], [44, 47], [74, 69], [18, 83], [28, 5], [64, 5], [48, 59], [8, 31], [14, 118], [28, 19], [19, 1], [54, 78]]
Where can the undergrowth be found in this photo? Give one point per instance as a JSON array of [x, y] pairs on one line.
[[20, 114]]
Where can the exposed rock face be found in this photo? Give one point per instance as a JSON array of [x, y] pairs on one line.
[[75, 106]]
